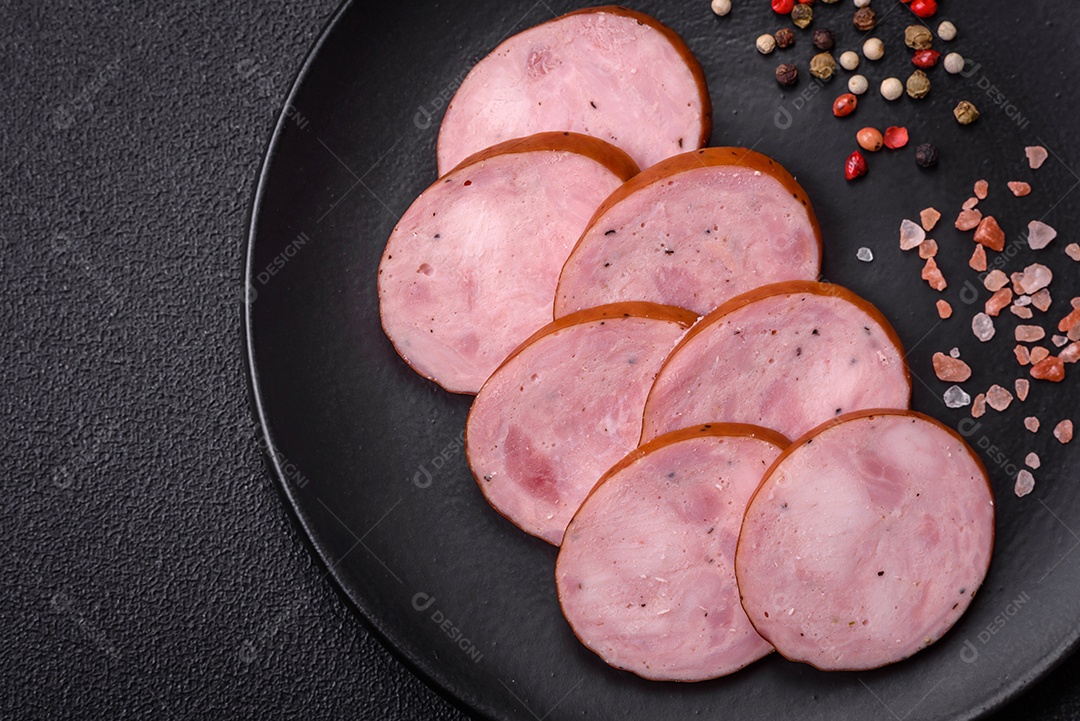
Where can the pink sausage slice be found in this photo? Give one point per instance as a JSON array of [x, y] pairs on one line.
[[609, 72], [646, 572], [693, 231], [866, 541], [564, 408], [786, 356], [470, 270]]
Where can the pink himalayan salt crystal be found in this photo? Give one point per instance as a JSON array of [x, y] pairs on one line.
[[1070, 354], [1032, 461], [1029, 333], [949, 369], [1023, 300], [990, 234], [1021, 312], [1073, 251], [968, 219], [1042, 300], [1048, 369], [978, 406], [997, 301], [1019, 188], [928, 248], [954, 352], [1070, 321], [944, 310], [998, 398], [1074, 332], [1025, 483], [933, 276], [1023, 357], [978, 259], [1039, 354], [970, 203], [1059, 340], [981, 189], [1023, 385], [911, 235], [1035, 277], [1064, 431], [982, 326], [929, 218], [1032, 424], [995, 280], [1040, 234], [1036, 155]]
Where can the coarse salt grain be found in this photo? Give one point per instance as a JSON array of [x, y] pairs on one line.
[[981, 189], [1032, 460], [970, 203], [978, 259], [978, 406], [1036, 155], [1042, 300], [1025, 483], [1036, 277], [982, 326], [995, 280], [1021, 312], [998, 398], [1059, 340], [911, 235], [949, 369], [1032, 424], [954, 352], [1040, 234], [1022, 300], [1049, 369], [997, 301], [1029, 333], [968, 219], [1023, 356], [928, 248], [1039, 354], [1070, 321], [1064, 431], [990, 234], [929, 218], [1073, 251], [1070, 354], [932, 275], [944, 310], [1023, 385], [1019, 188], [955, 397], [865, 254]]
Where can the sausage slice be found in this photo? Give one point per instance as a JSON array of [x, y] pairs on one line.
[[786, 356], [693, 231], [564, 408], [470, 270], [646, 572], [609, 72], [866, 541]]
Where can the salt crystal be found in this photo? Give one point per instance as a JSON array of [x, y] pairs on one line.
[[1023, 357], [951, 370], [1022, 300], [944, 310], [1042, 300], [1032, 424], [954, 352], [1040, 234], [1036, 277], [1032, 460], [978, 259], [1073, 251], [1039, 354], [928, 248], [1020, 311], [929, 218], [1019, 188], [990, 234], [995, 280], [1064, 431], [1023, 385], [998, 398], [982, 326], [968, 219], [955, 397], [1059, 340], [1025, 483], [865, 255], [1036, 155], [970, 203], [1029, 333], [981, 189], [978, 406], [932, 275], [910, 235], [1070, 354], [997, 301]]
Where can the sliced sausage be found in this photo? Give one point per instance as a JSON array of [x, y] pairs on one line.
[[646, 572], [694, 231], [866, 541], [564, 408], [786, 356], [470, 270], [609, 72]]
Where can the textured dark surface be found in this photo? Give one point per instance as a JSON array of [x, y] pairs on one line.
[[150, 569]]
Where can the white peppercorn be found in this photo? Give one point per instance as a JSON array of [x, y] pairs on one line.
[[858, 84], [891, 88], [765, 44], [861, 3], [946, 30], [721, 7], [849, 60], [873, 49], [954, 63]]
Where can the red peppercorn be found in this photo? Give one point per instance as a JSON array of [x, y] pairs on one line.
[[925, 58], [782, 7], [855, 166], [924, 8], [895, 137], [844, 105]]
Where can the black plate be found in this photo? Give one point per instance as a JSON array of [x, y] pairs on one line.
[[369, 455]]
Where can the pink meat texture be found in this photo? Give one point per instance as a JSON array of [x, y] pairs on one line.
[[605, 72], [560, 412], [866, 542], [787, 361], [646, 572], [692, 238], [470, 270]]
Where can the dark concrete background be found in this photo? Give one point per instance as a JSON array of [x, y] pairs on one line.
[[149, 568]]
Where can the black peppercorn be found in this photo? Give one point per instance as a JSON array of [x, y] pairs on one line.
[[785, 38], [926, 155], [787, 74], [824, 39], [865, 19]]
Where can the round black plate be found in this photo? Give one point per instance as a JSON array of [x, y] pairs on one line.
[[369, 455]]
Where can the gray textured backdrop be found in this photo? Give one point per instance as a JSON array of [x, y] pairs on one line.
[[149, 568]]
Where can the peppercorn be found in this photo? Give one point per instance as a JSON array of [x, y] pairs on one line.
[[925, 58], [824, 39], [765, 44], [924, 8], [926, 155], [849, 60], [918, 85], [954, 63], [865, 19], [801, 15], [891, 88], [946, 31], [785, 38], [844, 105], [966, 113], [918, 37], [822, 66], [869, 139], [787, 74], [858, 84], [855, 166], [873, 49], [782, 7], [721, 7]]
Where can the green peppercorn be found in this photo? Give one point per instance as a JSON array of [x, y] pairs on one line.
[[822, 66], [918, 37], [802, 15], [966, 113], [918, 85]]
